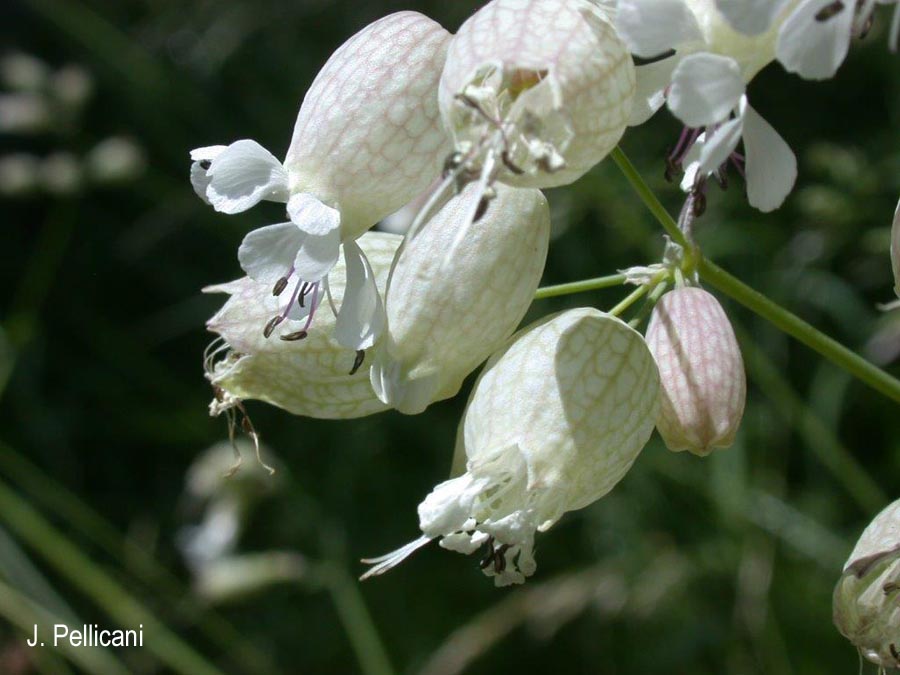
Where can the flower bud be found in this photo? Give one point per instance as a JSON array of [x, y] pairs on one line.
[[309, 375], [555, 421], [867, 597], [541, 89], [448, 314], [704, 387], [895, 250]]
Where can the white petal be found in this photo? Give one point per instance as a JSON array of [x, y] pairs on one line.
[[267, 254], [705, 89], [652, 27], [771, 165], [208, 153], [720, 144], [318, 254], [199, 176], [751, 17], [361, 317], [811, 48], [243, 175], [312, 216], [650, 94]]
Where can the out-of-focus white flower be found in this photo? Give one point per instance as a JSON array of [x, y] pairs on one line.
[[19, 174], [300, 368], [367, 139], [23, 72], [704, 387], [554, 423], [812, 36], [72, 86], [446, 316], [114, 160], [61, 173], [23, 113], [895, 250], [867, 597], [536, 93], [704, 83]]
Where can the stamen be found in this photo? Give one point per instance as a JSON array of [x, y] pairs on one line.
[[295, 337], [274, 322], [509, 164], [280, 285], [304, 291], [205, 164], [641, 61], [358, 361], [699, 200], [830, 11], [483, 205], [894, 652]]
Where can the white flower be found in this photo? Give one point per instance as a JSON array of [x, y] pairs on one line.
[[813, 36], [704, 386], [536, 93], [704, 83], [554, 423], [448, 314], [304, 371], [367, 139], [867, 597]]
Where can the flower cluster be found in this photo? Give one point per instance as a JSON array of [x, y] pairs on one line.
[[335, 321]]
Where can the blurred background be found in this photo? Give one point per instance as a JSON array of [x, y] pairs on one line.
[[113, 509]]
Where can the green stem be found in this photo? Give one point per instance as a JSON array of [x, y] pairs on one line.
[[757, 302], [357, 622], [70, 563], [580, 287], [630, 300]]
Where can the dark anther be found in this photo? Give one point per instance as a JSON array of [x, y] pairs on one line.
[[672, 168], [280, 285], [205, 164], [509, 164], [894, 652], [272, 325], [699, 204], [489, 556], [358, 361], [866, 27], [305, 289], [295, 337], [500, 559], [721, 178], [830, 11], [452, 163], [641, 61], [246, 424], [482, 208], [891, 587]]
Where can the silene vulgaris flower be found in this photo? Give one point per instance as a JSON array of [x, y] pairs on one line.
[[702, 67], [812, 36], [368, 138], [555, 421], [535, 93], [443, 321], [866, 599], [314, 376]]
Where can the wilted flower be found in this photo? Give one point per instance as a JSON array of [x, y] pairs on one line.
[[813, 36], [448, 315], [304, 371], [367, 140], [536, 93], [704, 83], [867, 597], [704, 387], [555, 421]]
